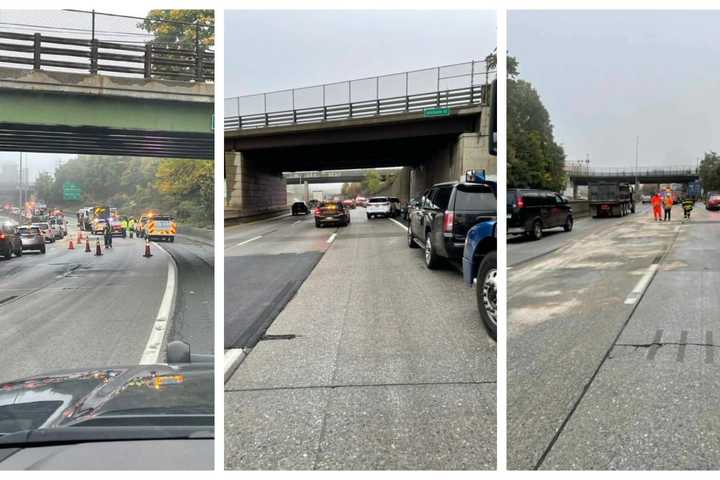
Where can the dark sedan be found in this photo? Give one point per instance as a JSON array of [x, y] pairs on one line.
[[332, 213], [9, 241]]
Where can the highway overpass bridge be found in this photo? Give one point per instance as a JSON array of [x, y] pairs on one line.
[[137, 111], [336, 176], [439, 129], [643, 175]]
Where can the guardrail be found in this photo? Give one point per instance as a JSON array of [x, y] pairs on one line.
[[624, 172], [148, 60], [439, 87]]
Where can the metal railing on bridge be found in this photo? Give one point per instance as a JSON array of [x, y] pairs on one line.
[[97, 50], [631, 172], [445, 86]]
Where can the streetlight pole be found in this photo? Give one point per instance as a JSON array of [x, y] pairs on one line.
[[637, 184]]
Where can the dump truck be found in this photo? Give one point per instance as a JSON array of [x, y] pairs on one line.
[[611, 199]]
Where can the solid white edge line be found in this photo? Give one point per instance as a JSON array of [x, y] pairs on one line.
[[151, 354], [398, 224], [332, 238], [641, 285], [248, 241], [233, 358], [296, 222]]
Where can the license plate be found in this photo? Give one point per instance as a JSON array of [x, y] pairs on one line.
[[509, 216], [604, 207]]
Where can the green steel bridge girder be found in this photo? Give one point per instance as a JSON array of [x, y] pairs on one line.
[[39, 108]]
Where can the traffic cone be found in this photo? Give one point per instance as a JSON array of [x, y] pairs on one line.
[[87, 245], [147, 253], [98, 250], [70, 245]]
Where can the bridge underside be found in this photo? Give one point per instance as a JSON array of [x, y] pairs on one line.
[[104, 141], [57, 112]]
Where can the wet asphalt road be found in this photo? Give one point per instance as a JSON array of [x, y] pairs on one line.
[[375, 363], [72, 309], [603, 374]]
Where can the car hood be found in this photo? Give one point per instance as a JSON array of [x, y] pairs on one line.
[[73, 397]]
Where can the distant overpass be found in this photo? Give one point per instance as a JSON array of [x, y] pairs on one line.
[[435, 121], [336, 176], [646, 175], [136, 111]]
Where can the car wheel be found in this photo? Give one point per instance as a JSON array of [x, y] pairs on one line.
[[536, 231], [432, 260], [19, 252], [411, 238], [7, 255], [172, 239], [568, 224], [368, 215], [486, 291]]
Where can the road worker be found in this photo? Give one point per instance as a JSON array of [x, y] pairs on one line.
[[667, 204], [656, 203]]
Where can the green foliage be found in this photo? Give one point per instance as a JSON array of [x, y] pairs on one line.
[[533, 158], [183, 32], [710, 172], [183, 188], [372, 183]]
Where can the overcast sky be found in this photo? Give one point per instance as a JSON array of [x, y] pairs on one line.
[[607, 77], [274, 50]]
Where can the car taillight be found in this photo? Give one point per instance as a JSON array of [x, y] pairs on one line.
[[520, 202], [316, 212], [448, 221], [2, 236]]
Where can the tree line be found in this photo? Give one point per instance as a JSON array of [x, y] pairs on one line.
[[183, 188]]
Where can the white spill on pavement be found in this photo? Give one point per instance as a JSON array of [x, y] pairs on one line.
[[248, 241], [641, 285], [151, 354], [233, 359]]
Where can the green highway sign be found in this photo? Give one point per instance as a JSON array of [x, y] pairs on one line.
[[436, 112], [71, 191]]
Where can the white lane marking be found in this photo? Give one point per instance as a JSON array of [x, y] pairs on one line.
[[398, 224], [332, 238], [296, 222], [154, 345], [641, 285], [233, 359], [248, 241], [677, 229]]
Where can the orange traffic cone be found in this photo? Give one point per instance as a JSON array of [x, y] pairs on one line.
[[147, 249], [98, 250], [87, 245], [70, 245]]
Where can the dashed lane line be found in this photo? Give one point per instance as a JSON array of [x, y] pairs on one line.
[[248, 241], [398, 224], [332, 238]]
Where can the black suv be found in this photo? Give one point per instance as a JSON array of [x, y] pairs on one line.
[[531, 211], [10, 241], [444, 215]]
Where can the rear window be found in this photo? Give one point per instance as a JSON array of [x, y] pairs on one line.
[[441, 199], [475, 197], [378, 200], [715, 198]]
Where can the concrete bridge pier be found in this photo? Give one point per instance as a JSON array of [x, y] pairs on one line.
[[255, 189], [450, 162]]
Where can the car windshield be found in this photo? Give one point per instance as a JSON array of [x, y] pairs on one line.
[[378, 200]]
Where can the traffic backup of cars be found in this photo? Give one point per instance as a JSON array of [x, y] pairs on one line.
[[456, 222]]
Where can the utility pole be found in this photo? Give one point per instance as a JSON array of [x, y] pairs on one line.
[[637, 184], [20, 190]]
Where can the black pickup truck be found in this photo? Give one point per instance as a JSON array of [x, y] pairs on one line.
[[445, 213]]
